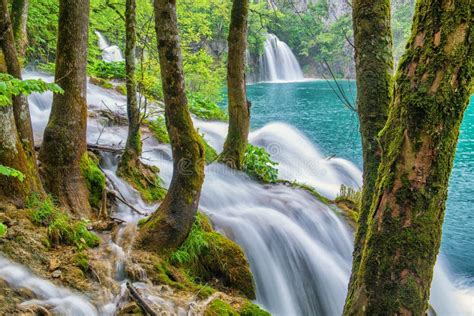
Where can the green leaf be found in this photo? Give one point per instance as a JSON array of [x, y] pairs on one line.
[[10, 172]]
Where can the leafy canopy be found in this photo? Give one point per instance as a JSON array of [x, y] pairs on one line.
[[11, 86]]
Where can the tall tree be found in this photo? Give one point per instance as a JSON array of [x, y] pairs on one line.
[[374, 67], [133, 147], [20, 103], [169, 226], [64, 141], [403, 236], [239, 106], [19, 21]]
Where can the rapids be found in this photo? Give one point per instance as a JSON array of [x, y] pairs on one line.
[[299, 248]]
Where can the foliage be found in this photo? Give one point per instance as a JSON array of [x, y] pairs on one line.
[[145, 180], [3, 230], [210, 153], [95, 178], [11, 86], [158, 128], [61, 227], [201, 106], [259, 165], [350, 194], [195, 244], [108, 70], [220, 308], [251, 309], [10, 172]]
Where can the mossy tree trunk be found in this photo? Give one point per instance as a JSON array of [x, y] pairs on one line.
[[133, 148], [19, 20], [64, 141], [239, 107], [419, 141], [374, 68], [169, 226], [20, 103]]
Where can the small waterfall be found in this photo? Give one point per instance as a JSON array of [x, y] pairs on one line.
[[278, 63], [109, 53]]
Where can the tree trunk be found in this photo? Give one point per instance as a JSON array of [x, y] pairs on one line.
[[374, 67], [239, 107], [20, 103], [12, 155], [19, 20], [419, 141], [64, 141], [133, 147], [169, 226]]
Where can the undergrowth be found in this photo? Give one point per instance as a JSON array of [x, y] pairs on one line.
[[204, 108], [259, 165], [3, 230], [61, 227], [95, 178]]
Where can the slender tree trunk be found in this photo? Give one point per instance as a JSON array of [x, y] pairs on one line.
[[12, 155], [433, 85], [374, 67], [169, 226], [19, 20], [64, 141], [239, 107], [20, 103], [133, 148]]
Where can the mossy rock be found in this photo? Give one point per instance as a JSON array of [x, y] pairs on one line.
[[251, 309], [220, 308], [212, 257], [95, 178], [145, 180], [104, 83]]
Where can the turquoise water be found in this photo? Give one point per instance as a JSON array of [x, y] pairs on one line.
[[314, 108]]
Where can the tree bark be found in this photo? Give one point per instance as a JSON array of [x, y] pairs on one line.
[[432, 90], [20, 103], [133, 148], [64, 141], [239, 107], [169, 226], [19, 20], [374, 68]]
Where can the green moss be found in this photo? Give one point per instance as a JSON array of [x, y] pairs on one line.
[[158, 128], [308, 189], [3, 230], [81, 260], [104, 83], [209, 256], [145, 180], [95, 178], [211, 153], [220, 308], [61, 228], [251, 309]]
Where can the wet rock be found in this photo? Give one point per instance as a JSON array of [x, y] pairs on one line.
[[130, 309], [57, 274]]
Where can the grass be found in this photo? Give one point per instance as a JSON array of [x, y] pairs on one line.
[[62, 229]]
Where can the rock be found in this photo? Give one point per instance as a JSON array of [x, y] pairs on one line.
[[54, 264], [57, 274], [130, 309]]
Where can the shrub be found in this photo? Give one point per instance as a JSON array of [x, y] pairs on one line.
[[259, 165], [204, 108], [108, 70]]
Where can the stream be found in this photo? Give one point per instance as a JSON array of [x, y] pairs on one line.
[[299, 248]]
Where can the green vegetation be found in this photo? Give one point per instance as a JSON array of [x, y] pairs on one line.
[[81, 260], [158, 128], [10, 172], [220, 308], [3, 230], [259, 165], [62, 229], [108, 70], [95, 178], [204, 108], [146, 181], [251, 309]]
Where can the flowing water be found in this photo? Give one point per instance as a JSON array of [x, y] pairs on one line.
[[110, 53], [278, 63], [299, 248]]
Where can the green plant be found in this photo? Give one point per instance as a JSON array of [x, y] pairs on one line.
[[259, 165], [3, 230], [195, 244], [95, 178], [158, 128], [108, 70], [349, 194], [10, 172], [10, 86], [204, 108], [81, 260]]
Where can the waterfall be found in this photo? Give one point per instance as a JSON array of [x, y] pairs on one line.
[[109, 53], [278, 63], [300, 250]]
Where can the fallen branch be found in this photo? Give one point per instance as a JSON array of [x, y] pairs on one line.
[[118, 197], [140, 301], [95, 147]]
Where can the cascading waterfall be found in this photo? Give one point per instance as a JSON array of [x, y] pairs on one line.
[[299, 248], [110, 53], [278, 63]]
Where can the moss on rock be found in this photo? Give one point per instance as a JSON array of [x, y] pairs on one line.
[[220, 308], [95, 178], [250, 309]]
